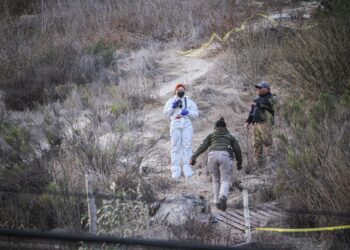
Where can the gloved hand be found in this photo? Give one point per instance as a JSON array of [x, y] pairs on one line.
[[239, 167], [175, 104], [184, 112], [192, 161]]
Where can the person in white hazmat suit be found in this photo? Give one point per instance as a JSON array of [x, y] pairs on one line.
[[181, 109]]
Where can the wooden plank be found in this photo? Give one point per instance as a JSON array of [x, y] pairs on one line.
[[258, 216], [237, 217], [241, 213], [260, 220], [235, 214], [262, 212], [267, 205], [275, 210], [236, 225], [230, 224], [274, 213], [231, 218], [254, 217]]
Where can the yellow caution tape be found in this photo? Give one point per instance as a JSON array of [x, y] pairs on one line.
[[214, 36], [302, 230]]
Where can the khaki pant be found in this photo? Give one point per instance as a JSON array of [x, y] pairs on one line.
[[220, 167], [262, 139]]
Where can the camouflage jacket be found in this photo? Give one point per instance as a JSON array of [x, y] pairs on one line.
[[264, 109], [220, 140]]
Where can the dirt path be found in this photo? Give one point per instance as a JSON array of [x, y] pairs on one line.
[[174, 68], [227, 98], [224, 99], [177, 69]]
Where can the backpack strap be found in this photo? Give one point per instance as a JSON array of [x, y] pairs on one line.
[[185, 102]]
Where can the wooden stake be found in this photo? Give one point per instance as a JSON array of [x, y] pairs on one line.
[[246, 216], [91, 204]]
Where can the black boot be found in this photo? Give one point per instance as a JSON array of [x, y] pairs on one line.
[[222, 203]]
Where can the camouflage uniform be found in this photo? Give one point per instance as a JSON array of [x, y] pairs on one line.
[[262, 117]]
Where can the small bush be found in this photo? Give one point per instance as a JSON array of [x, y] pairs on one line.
[[34, 83], [21, 184], [103, 49], [194, 230], [16, 137], [23, 178], [122, 216], [338, 8]]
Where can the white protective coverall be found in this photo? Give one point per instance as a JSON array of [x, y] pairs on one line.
[[181, 132]]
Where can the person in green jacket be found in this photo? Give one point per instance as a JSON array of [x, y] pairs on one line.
[[224, 149]]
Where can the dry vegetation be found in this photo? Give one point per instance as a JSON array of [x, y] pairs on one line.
[[310, 69], [72, 93], [73, 41], [71, 103]]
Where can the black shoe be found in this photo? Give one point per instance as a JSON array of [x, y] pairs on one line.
[[222, 203], [213, 220], [218, 205]]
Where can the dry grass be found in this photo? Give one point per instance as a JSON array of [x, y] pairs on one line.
[[316, 59], [193, 230], [159, 19], [317, 173], [94, 125], [89, 131], [315, 64], [52, 47], [312, 69], [73, 41]]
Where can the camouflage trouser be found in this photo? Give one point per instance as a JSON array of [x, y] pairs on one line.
[[262, 139]]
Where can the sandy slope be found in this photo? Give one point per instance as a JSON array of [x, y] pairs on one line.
[[213, 100], [174, 68]]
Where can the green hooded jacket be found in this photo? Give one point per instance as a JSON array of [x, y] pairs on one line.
[[220, 140]]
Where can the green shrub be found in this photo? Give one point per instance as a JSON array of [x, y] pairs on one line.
[[24, 179], [335, 8], [121, 215], [316, 169], [117, 110], [22, 183], [17, 143], [103, 49]]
